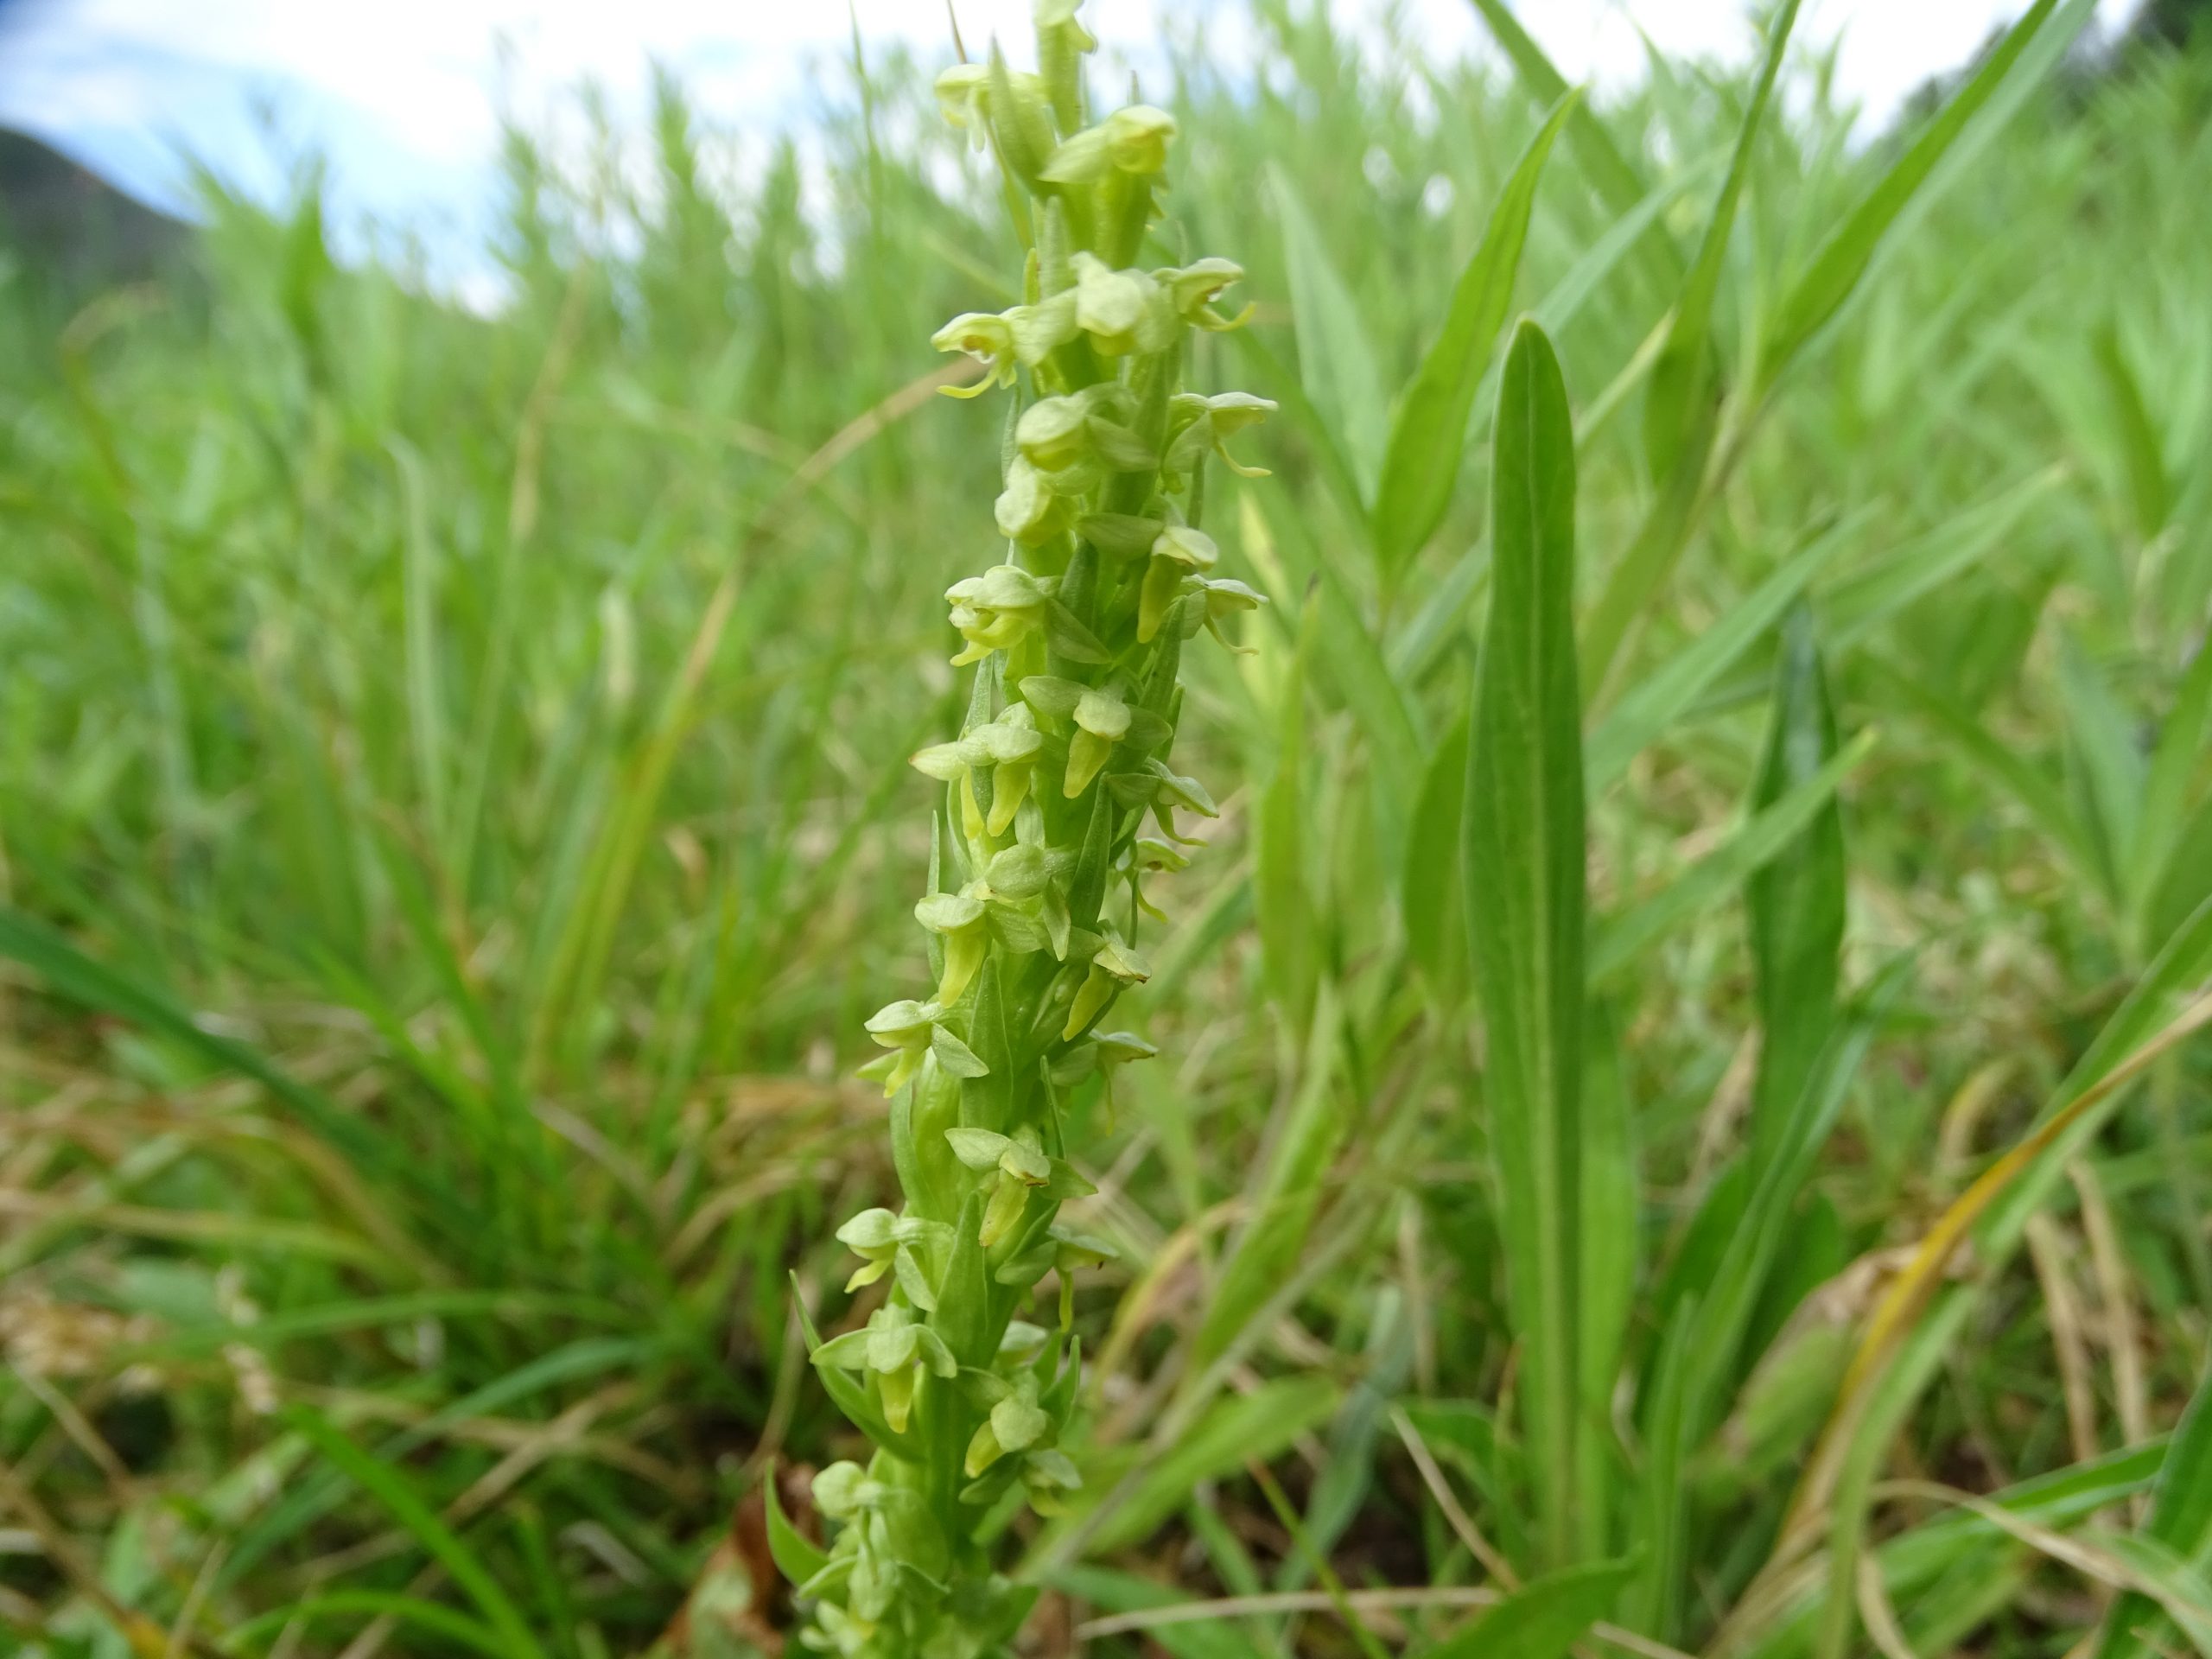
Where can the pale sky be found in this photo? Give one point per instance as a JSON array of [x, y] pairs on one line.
[[399, 94]]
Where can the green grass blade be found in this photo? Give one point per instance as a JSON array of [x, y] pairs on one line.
[[1754, 844], [2042, 801], [2111, 769], [430, 1616], [1428, 436], [389, 1489], [1682, 375], [1855, 605], [1290, 935], [2180, 1519], [1645, 711], [2166, 782], [1613, 176], [1524, 853], [1336, 360], [70, 974], [1285, 1190], [1610, 1247], [1430, 890], [1240, 1428], [1543, 1618], [1843, 259], [1794, 902]]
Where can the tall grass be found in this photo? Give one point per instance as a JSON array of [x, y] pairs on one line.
[[451, 822]]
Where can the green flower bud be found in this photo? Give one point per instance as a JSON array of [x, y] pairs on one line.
[[871, 1237], [1011, 744], [1031, 509], [1199, 426], [1193, 288], [1133, 140], [897, 1350], [1053, 433], [1123, 311], [959, 919], [1176, 552], [996, 610], [987, 339], [1152, 853], [1048, 1474], [839, 1490], [1102, 720], [962, 92], [1039, 330], [967, 100], [1225, 597], [1016, 874], [1137, 138], [906, 1027], [1113, 967]]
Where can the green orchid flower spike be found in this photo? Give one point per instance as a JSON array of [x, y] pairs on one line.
[[1059, 810]]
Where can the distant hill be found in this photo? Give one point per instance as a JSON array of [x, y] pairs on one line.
[[64, 222]]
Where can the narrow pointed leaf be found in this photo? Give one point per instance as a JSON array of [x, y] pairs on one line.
[[1428, 437], [1524, 853]]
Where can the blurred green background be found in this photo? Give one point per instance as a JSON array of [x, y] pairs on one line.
[[453, 820]]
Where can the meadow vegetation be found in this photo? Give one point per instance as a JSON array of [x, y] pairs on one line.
[[1676, 1127]]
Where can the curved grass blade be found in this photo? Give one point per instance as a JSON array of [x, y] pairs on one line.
[[1335, 362], [1843, 259], [1541, 1619], [1795, 903], [1430, 435], [2180, 1520], [1682, 375], [1645, 712], [407, 1507]]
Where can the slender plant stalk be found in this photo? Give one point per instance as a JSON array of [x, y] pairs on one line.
[[1034, 899]]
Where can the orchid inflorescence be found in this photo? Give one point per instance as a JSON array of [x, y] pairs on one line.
[[1076, 634]]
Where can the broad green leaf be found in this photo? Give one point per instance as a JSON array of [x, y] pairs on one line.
[[1794, 902], [1643, 714], [390, 1488], [1430, 435], [1524, 851], [1682, 373], [1842, 261], [1543, 1618], [1336, 360]]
